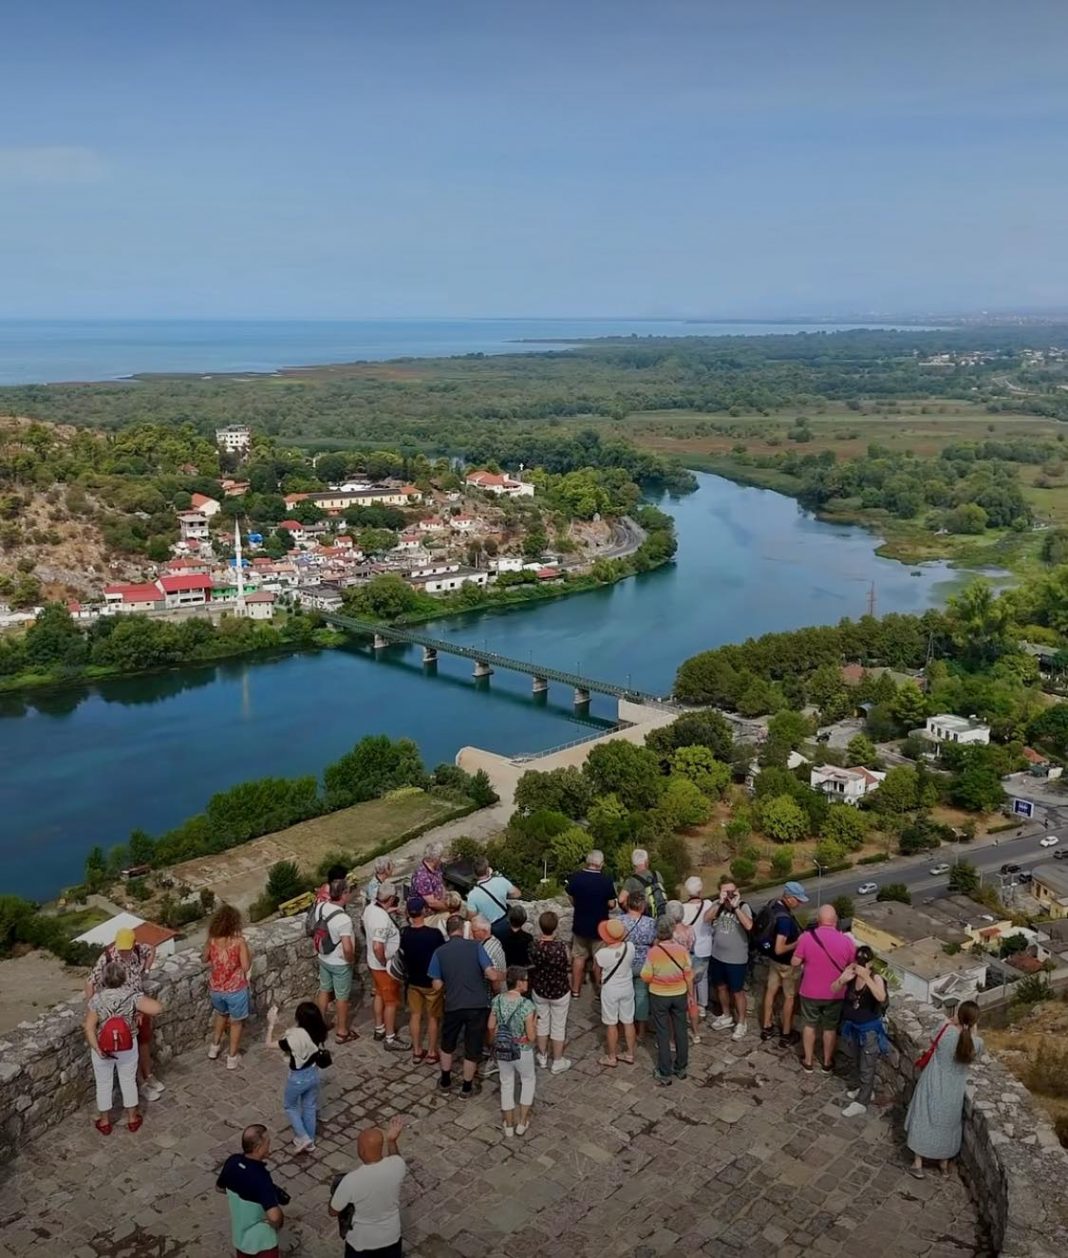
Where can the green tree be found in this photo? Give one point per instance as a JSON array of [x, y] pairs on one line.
[[683, 804], [861, 750], [978, 788], [909, 707], [96, 868], [706, 728], [782, 861], [284, 882], [54, 640], [564, 790], [569, 849], [384, 597], [843, 905], [827, 853], [898, 793], [609, 822], [846, 826], [374, 766], [743, 869], [896, 891], [632, 773], [699, 766], [789, 727], [963, 878], [782, 819]]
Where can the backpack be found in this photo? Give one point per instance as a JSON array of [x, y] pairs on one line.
[[321, 941], [654, 893], [762, 936], [310, 919], [506, 1042], [114, 1036]]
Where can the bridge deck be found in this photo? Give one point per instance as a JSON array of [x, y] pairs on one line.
[[367, 628]]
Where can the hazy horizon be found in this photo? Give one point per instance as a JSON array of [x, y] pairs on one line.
[[269, 159]]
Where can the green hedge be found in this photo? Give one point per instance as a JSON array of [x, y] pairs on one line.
[[877, 859]]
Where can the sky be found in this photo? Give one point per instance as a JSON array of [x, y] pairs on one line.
[[464, 158]]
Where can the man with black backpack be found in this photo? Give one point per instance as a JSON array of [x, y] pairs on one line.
[[646, 882], [774, 936]]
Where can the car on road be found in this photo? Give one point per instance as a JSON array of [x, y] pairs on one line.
[[1050, 840], [867, 888], [1010, 869], [1062, 855], [936, 871], [1024, 877]]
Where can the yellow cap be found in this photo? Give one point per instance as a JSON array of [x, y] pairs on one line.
[[124, 940]]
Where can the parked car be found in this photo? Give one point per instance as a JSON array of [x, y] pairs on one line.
[[1010, 869], [936, 871], [1050, 840], [1024, 877], [1062, 855], [867, 888]]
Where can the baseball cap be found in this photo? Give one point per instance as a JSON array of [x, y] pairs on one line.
[[416, 906], [124, 939], [612, 931], [797, 891]]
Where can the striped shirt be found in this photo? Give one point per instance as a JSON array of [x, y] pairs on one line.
[[666, 969]]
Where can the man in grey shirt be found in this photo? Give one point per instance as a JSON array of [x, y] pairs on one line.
[[731, 920]]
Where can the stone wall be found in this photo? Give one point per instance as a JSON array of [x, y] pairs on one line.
[[45, 1072], [1011, 1158]]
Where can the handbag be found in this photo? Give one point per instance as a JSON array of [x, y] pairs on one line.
[[929, 1052], [323, 1058]]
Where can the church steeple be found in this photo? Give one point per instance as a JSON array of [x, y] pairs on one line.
[[240, 571]]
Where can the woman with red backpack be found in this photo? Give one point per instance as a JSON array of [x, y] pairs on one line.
[[111, 1033]]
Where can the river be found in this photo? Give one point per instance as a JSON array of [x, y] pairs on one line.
[[84, 766]]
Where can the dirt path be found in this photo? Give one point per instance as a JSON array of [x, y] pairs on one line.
[[33, 983]]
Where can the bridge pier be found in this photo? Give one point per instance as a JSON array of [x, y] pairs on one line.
[[380, 642], [540, 686], [482, 669], [582, 697], [430, 655]]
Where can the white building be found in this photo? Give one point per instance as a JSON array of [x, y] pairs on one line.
[[500, 484], [193, 526], [159, 937], [209, 506], [260, 606], [140, 597], [927, 973], [443, 583], [234, 437], [956, 729], [847, 785], [508, 563]]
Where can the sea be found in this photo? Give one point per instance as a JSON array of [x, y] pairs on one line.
[[39, 351]]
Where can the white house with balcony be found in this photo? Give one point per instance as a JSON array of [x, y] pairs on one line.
[[237, 438], [956, 729], [848, 786]]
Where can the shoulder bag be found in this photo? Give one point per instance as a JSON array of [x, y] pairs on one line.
[[925, 1057]]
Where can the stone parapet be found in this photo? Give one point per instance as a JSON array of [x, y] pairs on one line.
[[1010, 1156], [45, 1071]]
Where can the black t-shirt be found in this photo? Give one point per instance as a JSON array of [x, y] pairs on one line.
[[785, 925], [592, 892], [860, 1006], [517, 945], [249, 1179], [419, 943]]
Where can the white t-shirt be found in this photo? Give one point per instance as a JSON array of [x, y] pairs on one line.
[[339, 925], [374, 1190], [702, 930], [606, 958], [379, 927]]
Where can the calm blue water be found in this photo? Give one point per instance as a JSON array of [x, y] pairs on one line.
[[43, 351], [86, 766]]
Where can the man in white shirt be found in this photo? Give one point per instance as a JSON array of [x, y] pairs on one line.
[[373, 1192], [383, 940], [334, 939]]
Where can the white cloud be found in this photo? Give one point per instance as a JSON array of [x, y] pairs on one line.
[[50, 164]]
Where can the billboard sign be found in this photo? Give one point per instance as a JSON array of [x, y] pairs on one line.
[[1023, 808]]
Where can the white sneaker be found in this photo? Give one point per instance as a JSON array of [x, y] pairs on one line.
[[740, 1031], [521, 1130], [543, 1060], [214, 1050], [232, 1062], [854, 1109], [152, 1089], [558, 1067], [702, 1011], [853, 1093], [723, 1023], [509, 1132], [302, 1146]]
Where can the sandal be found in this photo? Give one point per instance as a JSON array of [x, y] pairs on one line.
[[610, 1062], [135, 1123], [431, 1059], [103, 1125], [917, 1173], [575, 995], [419, 1057], [345, 1039], [626, 1058]]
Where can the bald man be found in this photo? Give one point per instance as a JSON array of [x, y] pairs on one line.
[[254, 1200], [373, 1192], [824, 952]]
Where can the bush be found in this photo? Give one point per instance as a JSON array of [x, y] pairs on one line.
[[138, 889], [465, 850], [877, 859], [896, 891], [743, 870], [843, 905], [207, 899], [782, 861], [284, 881], [1032, 990], [260, 908]]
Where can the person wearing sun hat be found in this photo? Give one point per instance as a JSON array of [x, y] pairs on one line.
[[612, 968], [136, 959]]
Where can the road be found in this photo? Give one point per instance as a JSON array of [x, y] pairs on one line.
[[913, 870], [627, 536]]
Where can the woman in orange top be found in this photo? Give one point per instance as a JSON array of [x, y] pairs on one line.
[[668, 972], [227, 953]]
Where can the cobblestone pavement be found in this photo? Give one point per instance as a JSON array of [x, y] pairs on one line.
[[747, 1156]]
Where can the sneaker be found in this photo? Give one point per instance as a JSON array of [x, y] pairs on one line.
[[694, 1038], [807, 1067], [151, 1089], [853, 1093], [740, 1031], [394, 1044], [791, 1039], [767, 1033], [509, 1132], [543, 1060], [522, 1129], [854, 1109], [560, 1065], [214, 1050], [443, 1086], [380, 1033], [680, 1074], [473, 1091], [232, 1062], [661, 1081], [153, 1083], [490, 1068], [723, 1023], [827, 1070], [302, 1146], [702, 1011]]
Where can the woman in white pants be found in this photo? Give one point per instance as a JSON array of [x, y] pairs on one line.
[[512, 1010], [111, 1033]]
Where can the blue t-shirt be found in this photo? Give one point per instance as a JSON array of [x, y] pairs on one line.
[[490, 898], [461, 964], [592, 891]]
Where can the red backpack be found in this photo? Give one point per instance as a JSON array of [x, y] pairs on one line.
[[115, 1036]]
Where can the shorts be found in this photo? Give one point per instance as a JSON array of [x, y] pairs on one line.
[[617, 1005], [386, 986], [426, 1000], [232, 1005], [641, 1000], [824, 1015], [144, 1028], [552, 1016], [336, 980], [784, 975], [471, 1024], [583, 948], [727, 974], [700, 969]]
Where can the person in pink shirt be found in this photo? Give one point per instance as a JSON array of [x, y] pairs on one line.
[[824, 952]]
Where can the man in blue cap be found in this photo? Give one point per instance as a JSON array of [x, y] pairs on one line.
[[781, 937]]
